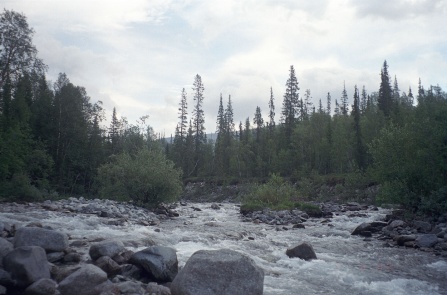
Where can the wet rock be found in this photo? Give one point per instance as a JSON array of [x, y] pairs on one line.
[[5, 248], [42, 287], [215, 206], [219, 272], [426, 241], [362, 228], [422, 226], [303, 251], [160, 262], [106, 248], [83, 281], [50, 240], [402, 239], [108, 265], [155, 289], [27, 265]]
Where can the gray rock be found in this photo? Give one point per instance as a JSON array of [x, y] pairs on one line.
[[160, 262], [131, 271], [106, 248], [397, 223], [219, 272], [402, 239], [130, 288], [83, 281], [215, 206], [155, 289], [50, 240], [55, 256], [108, 288], [303, 251], [108, 265], [27, 265], [5, 248], [362, 228], [422, 226], [42, 287], [426, 241]]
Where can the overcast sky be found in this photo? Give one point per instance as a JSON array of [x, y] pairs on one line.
[[137, 55]]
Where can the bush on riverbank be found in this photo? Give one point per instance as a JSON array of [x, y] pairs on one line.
[[147, 178]]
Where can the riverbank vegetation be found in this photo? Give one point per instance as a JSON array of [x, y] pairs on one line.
[[54, 141]]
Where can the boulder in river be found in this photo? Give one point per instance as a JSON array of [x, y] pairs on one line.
[[209, 272], [83, 281], [303, 251], [159, 261], [50, 240], [27, 265]]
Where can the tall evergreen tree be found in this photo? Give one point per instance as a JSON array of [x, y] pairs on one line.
[[291, 104], [396, 90], [182, 116], [363, 100], [198, 121], [385, 99], [359, 150], [258, 121], [328, 104], [271, 111], [114, 133], [344, 109]]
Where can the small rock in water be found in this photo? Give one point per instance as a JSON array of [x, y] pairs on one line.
[[298, 225], [303, 251], [215, 206]]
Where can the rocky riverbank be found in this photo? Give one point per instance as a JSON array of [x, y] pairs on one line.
[[37, 257]]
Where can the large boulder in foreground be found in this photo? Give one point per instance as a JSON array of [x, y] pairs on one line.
[[83, 281], [219, 272], [50, 240], [160, 262], [27, 265], [303, 251]]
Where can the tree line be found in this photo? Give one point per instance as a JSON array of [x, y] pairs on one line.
[[53, 139]]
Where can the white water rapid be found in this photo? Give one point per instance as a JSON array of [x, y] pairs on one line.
[[346, 264]]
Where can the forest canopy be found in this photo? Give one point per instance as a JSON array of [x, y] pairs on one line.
[[54, 139]]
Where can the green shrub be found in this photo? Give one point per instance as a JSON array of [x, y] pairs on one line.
[[276, 194], [147, 178]]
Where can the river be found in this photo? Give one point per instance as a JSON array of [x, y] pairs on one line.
[[346, 264]]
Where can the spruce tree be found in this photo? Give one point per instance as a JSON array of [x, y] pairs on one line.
[[385, 99], [198, 122], [259, 122], [271, 111], [328, 103], [344, 109], [359, 150], [291, 104]]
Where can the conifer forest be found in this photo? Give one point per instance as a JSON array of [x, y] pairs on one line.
[[56, 141]]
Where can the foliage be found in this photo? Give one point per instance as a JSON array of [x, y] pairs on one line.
[[276, 194], [147, 178]]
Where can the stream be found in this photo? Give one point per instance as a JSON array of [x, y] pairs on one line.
[[346, 264]]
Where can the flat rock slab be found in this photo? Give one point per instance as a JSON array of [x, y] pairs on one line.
[[219, 272]]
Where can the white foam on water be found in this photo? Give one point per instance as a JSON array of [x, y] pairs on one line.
[[440, 265], [397, 287]]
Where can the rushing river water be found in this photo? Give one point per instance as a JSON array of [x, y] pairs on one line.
[[346, 264]]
